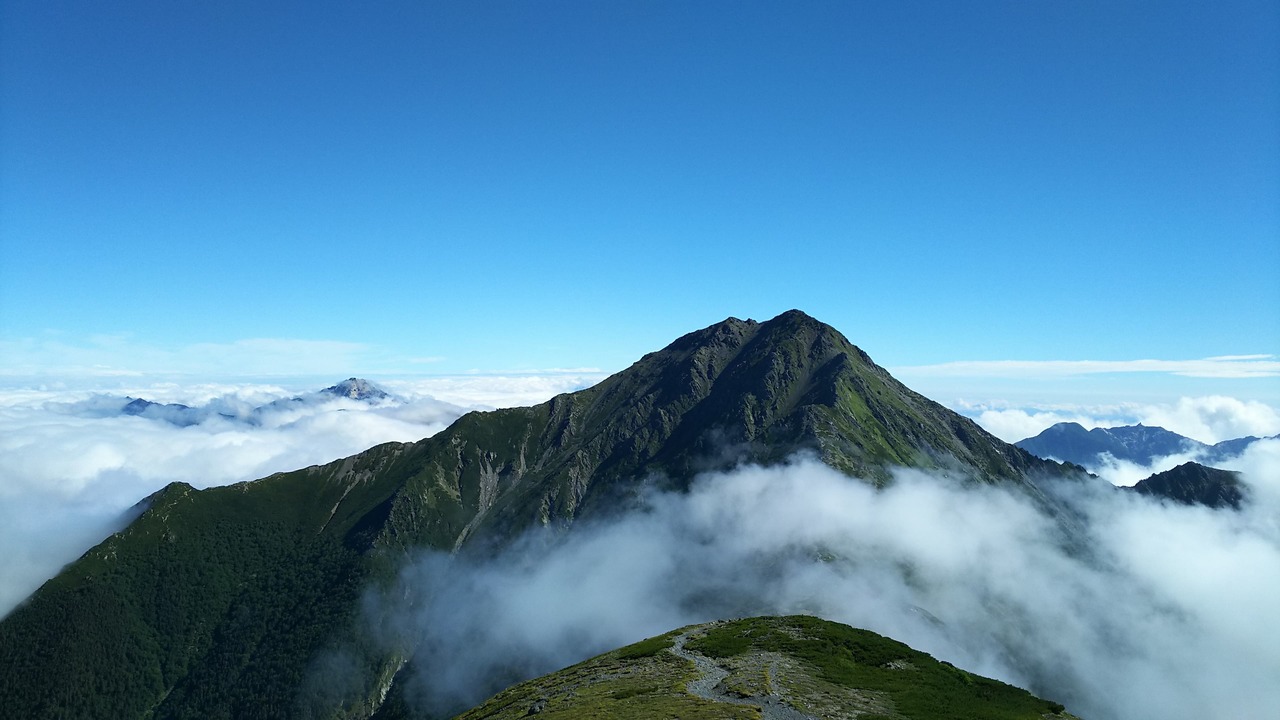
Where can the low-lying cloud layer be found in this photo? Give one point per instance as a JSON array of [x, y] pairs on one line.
[[1168, 614], [1144, 611], [1222, 366], [1209, 419], [74, 464]]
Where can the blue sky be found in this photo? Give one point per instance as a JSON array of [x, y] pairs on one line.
[[390, 188]]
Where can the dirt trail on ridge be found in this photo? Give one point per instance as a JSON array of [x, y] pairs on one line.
[[708, 684]]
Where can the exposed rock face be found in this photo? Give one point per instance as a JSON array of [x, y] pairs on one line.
[[356, 389]]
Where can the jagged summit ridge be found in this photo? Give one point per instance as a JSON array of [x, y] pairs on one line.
[[737, 391], [356, 389]]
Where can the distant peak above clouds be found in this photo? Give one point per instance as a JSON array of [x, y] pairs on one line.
[[356, 389], [1136, 443], [1140, 444], [228, 408]]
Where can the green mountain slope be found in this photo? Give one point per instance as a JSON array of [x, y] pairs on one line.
[[210, 599], [790, 667], [215, 603], [736, 391]]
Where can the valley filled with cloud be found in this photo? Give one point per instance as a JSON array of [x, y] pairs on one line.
[[1054, 219], [1134, 605], [1116, 605], [75, 463]]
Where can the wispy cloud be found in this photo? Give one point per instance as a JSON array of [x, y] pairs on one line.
[[82, 360], [1222, 366], [70, 469], [1209, 419], [121, 356], [979, 576], [501, 390]]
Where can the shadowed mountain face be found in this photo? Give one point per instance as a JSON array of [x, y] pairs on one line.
[[1140, 444], [217, 602], [1194, 484]]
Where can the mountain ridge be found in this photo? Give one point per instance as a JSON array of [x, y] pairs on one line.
[[255, 558], [1140, 444], [1192, 483]]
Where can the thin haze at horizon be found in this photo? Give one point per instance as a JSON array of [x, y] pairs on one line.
[[302, 189]]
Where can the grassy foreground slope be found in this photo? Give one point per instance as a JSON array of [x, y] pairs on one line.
[[772, 666]]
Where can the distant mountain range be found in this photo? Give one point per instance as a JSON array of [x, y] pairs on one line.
[[356, 389], [1140, 444], [221, 602], [1195, 484]]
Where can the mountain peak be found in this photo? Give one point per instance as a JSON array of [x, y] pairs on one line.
[[196, 582], [356, 389], [1139, 443], [796, 316], [732, 327], [1194, 484], [136, 406]]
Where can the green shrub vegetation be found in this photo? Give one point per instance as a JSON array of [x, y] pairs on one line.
[[918, 686], [644, 648]]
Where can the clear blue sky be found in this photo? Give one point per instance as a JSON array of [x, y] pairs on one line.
[[547, 184]]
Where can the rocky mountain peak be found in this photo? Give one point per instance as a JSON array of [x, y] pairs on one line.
[[356, 389]]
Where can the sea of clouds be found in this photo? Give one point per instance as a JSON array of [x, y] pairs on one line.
[[74, 465], [1208, 419], [1150, 610], [1137, 609]]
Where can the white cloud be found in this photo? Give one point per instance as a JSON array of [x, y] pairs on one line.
[[1014, 424], [109, 356], [70, 471], [1168, 613], [1125, 473], [1223, 366], [1261, 464], [491, 391], [1215, 418], [1209, 419], [73, 464]]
